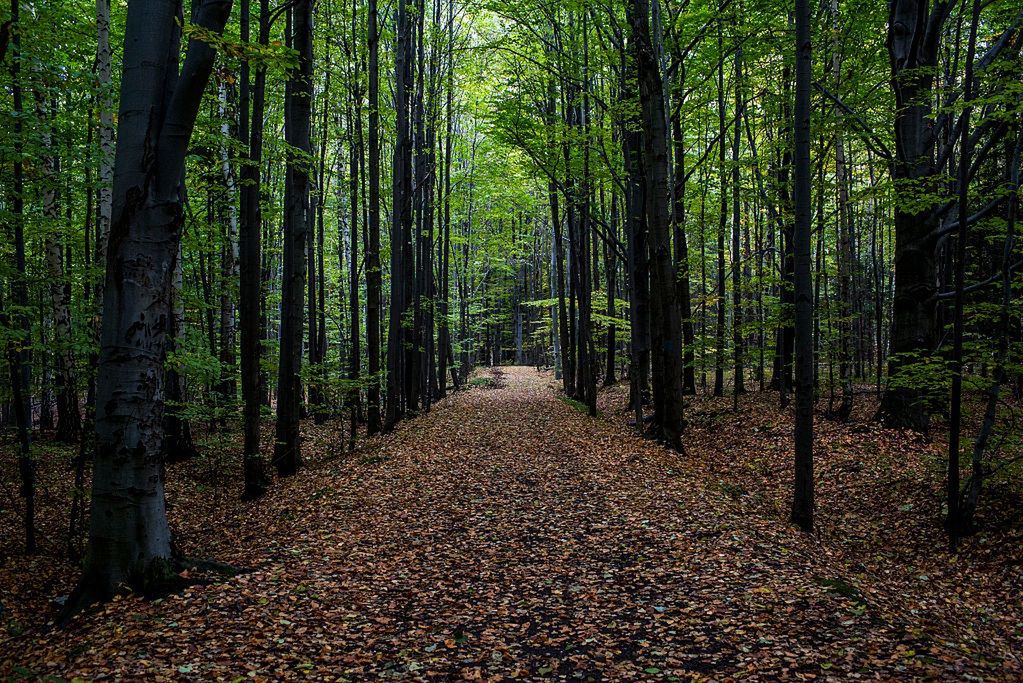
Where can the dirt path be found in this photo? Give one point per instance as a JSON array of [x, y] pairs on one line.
[[503, 535]]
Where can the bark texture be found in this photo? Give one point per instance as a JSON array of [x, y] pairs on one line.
[[129, 539]]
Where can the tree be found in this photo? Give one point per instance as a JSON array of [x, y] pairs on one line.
[[129, 538], [666, 324], [955, 520], [737, 312], [398, 345], [914, 39], [297, 221], [374, 288], [722, 296], [803, 493], [69, 420], [249, 252], [17, 350]]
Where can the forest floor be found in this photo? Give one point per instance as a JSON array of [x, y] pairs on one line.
[[507, 535]]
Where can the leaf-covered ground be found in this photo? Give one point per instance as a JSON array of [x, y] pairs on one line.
[[507, 535]]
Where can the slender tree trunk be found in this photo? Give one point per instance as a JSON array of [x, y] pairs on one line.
[[105, 176], [315, 260], [177, 431], [558, 245], [738, 351], [104, 202], [719, 355], [374, 289], [297, 220], [229, 269], [971, 496], [803, 490], [314, 377], [401, 222], [69, 420], [954, 521], [609, 284], [637, 256], [354, 300], [571, 350], [205, 281], [587, 376], [443, 332], [17, 346], [249, 248], [682, 260], [846, 255], [782, 377], [666, 323]]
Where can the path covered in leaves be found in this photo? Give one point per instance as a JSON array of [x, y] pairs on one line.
[[504, 535]]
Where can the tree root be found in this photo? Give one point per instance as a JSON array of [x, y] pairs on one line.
[[160, 579]]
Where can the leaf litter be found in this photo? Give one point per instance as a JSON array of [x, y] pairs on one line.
[[504, 535]]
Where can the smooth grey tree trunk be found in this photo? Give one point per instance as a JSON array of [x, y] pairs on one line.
[[69, 420], [666, 324], [803, 489], [297, 220], [17, 353], [129, 538], [374, 286], [249, 248], [398, 356]]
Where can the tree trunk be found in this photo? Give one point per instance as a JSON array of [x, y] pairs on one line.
[[129, 540], [637, 258], [229, 253], [682, 260], [738, 352], [846, 254], [782, 376], [249, 248], [666, 323], [315, 262], [401, 223], [914, 35], [69, 420], [587, 375], [374, 287], [803, 490], [17, 346], [609, 284], [177, 432], [443, 332], [298, 114], [955, 519], [354, 303], [719, 354]]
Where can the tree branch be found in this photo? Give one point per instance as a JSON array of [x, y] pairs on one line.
[[187, 97], [875, 144]]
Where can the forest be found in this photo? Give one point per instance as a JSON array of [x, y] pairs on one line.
[[511, 339]]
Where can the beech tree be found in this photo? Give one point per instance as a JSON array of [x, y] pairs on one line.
[[803, 497], [297, 220], [129, 538], [250, 132], [666, 327]]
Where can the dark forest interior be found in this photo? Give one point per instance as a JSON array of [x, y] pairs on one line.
[[489, 339]]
